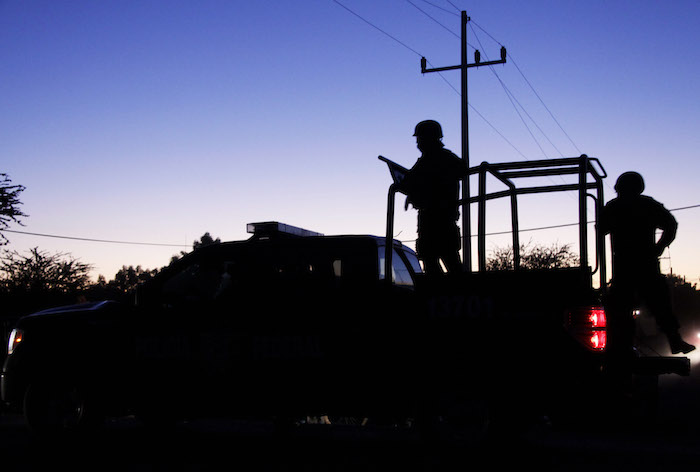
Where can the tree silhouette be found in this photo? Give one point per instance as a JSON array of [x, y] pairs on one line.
[[128, 278], [205, 240], [9, 205], [39, 280], [40, 272], [686, 300], [533, 256]]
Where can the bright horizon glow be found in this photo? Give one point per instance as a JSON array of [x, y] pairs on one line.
[[160, 121]]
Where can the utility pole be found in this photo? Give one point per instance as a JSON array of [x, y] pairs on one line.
[[466, 216]]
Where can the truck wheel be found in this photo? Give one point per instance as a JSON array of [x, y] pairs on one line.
[[348, 420], [460, 421], [60, 408]]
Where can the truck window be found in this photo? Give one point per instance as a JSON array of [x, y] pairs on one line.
[[338, 268], [413, 260], [400, 274], [194, 284]]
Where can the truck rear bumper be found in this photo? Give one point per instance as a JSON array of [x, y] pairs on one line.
[[662, 365]]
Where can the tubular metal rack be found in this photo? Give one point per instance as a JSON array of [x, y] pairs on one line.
[[590, 174]]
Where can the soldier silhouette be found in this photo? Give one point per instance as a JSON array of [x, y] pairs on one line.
[[432, 187], [632, 219]]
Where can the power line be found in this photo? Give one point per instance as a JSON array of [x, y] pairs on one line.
[[532, 88], [443, 9], [545, 106], [436, 21], [459, 93], [74, 238], [565, 225], [685, 208], [111, 241], [510, 94], [510, 56], [575, 224], [380, 30], [449, 84], [455, 6], [513, 101], [498, 132], [395, 39]]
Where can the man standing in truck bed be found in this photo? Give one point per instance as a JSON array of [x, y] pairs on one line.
[[632, 219], [432, 187]]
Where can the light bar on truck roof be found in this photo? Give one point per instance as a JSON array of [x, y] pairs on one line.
[[270, 228]]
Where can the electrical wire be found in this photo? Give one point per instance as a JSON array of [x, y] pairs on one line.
[[545, 106], [380, 30], [565, 225], [436, 21], [439, 23], [111, 241], [512, 59], [74, 238], [549, 111], [498, 132], [449, 84], [459, 93], [509, 94], [394, 38], [685, 207], [513, 101], [441, 8], [455, 6]]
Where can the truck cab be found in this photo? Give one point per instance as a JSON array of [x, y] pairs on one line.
[[288, 323]]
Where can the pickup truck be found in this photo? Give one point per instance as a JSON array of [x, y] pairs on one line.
[[291, 324], [288, 322]]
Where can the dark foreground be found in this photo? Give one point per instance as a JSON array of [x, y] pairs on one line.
[[672, 443], [236, 445]]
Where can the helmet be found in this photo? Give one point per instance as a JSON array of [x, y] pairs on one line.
[[428, 129], [629, 183]]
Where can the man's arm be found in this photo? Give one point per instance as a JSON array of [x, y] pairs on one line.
[[669, 227]]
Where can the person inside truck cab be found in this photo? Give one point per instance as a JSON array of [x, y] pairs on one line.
[[432, 187], [632, 219]]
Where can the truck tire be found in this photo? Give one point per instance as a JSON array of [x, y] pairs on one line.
[[60, 408], [462, 420]]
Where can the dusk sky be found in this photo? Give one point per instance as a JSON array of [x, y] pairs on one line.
[[156, 121]]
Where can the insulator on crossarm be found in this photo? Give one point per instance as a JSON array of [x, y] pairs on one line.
[[503, 53], [477, 56], [423, 64]]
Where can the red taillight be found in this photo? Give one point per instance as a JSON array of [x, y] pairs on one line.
[[598, 340], [588, 326], [597, 317]]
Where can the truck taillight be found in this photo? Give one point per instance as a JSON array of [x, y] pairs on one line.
[[598, 340], [597, 317], [588, 325]]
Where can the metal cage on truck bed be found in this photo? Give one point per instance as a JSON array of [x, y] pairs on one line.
[[569, 286], [589, 171]]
